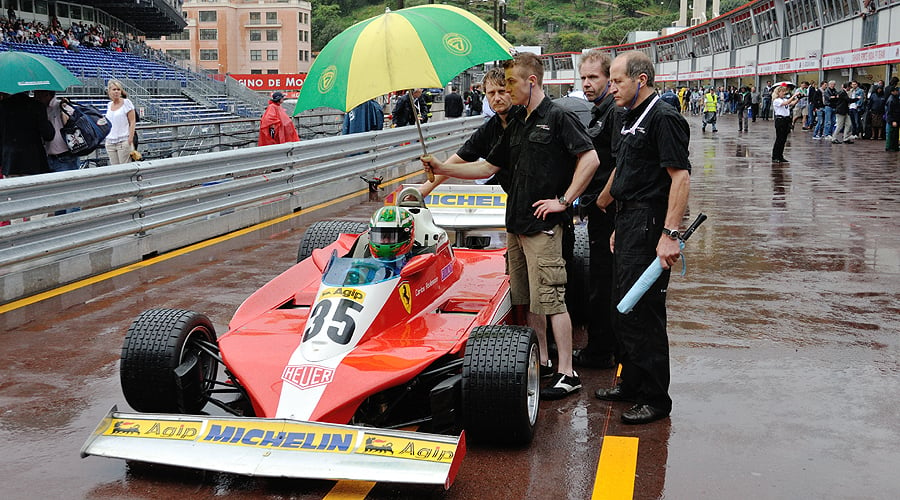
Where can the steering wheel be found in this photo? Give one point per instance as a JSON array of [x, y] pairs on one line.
[[410, 192], [364, 272]]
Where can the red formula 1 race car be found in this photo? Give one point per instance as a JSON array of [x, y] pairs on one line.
[[325, 368]]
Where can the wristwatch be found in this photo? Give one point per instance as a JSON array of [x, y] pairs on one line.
[[675, 235], [563, 201]]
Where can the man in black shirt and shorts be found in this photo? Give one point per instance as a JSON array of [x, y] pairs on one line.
[[651, 184], [550, 160]]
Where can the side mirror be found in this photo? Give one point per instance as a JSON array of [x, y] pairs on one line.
[[417, 264]]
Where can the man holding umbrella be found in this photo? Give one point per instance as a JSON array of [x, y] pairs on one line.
[[551, 160], [23, 129], [23, 120]]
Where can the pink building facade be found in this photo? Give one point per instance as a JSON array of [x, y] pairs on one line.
[[242, 37]]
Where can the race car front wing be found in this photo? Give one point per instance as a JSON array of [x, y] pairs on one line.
[[278, 447]]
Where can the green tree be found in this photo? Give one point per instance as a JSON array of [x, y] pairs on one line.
[[630, 7], [327, 23], [570, 41]]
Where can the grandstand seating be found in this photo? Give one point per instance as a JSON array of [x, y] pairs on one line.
[[87, 63], [174, 108], [95, 62]]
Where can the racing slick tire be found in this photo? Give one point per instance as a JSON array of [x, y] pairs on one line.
[[325, 232], [501, 384], [164, 367]]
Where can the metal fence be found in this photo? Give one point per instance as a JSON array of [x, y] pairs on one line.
[[190, 138], [131, 211]]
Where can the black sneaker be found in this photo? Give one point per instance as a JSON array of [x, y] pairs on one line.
[[547, 370], [561, 386]]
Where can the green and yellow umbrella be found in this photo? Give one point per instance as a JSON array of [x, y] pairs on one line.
[[424, 46]]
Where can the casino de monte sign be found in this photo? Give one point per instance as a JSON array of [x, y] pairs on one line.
[[271, 82]]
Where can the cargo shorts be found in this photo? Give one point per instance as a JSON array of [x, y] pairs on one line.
[[537, 271]]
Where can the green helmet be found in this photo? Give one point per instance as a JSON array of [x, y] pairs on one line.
[[391, 233]]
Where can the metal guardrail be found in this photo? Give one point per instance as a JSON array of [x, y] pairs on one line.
[[135, 210]]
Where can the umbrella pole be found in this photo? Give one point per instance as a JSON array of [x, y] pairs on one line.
[[412, 103]]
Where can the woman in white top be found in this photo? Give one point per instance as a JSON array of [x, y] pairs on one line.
[[120, 113], [782, 107]]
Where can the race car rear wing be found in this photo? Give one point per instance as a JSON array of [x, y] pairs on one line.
[[463, 207], [278, 447]]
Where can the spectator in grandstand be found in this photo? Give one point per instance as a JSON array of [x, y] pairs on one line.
[[71, 42], [782, 105], [876, 110], [453, 103], [23, 129], [275, 126], [363, 118], [120, 113], [892, 119]]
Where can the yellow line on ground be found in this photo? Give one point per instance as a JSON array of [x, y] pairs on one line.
[[349, 490], [33, 299], [615, 471]]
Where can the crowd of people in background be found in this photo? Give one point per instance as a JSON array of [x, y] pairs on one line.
[[76, 36], [839, 113]]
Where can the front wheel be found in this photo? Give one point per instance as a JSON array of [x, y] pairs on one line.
[[501, 384], [168, 362], [325, 232]]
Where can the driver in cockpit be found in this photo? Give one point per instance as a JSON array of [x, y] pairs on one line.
[[391, 240], [392, 234]]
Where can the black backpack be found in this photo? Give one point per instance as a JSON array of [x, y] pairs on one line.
[[86, 129]]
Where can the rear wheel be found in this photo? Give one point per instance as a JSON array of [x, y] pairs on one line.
[[167, 364], [501, 384], [323, 233]]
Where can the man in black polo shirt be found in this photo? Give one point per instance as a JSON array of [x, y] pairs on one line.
[[603, 130], [482, 141], [550, 159], [651, 186]]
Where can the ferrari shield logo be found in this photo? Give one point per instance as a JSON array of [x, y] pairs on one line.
[[405, 296]]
